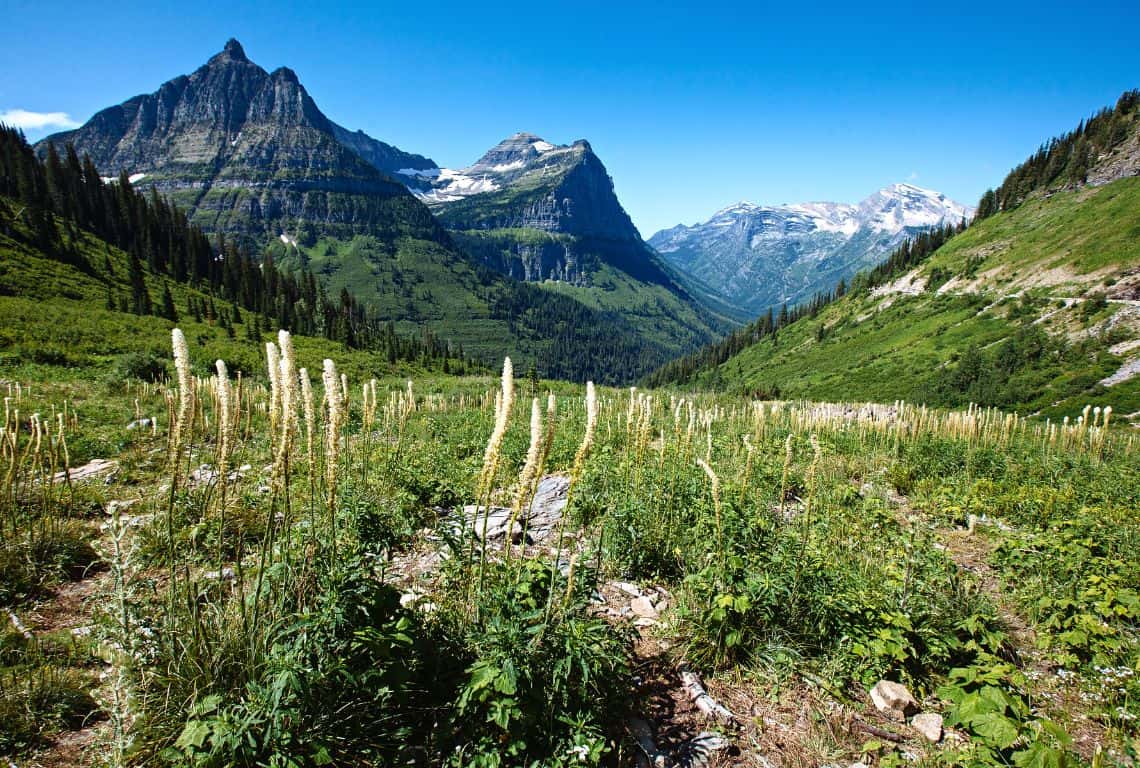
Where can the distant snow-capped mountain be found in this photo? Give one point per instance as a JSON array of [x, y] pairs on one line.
[[758, 256]]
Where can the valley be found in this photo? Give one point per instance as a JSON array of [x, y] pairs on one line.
[[317, 453]]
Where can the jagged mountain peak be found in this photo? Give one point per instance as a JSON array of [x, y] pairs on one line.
[[520, 159], [515, 153], [231, 53], [241, 149], [285, 74]]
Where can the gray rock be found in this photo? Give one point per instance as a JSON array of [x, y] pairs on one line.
[[226, 574], [140, 424], [929, 724], [893, 700], [539, 521], [90, 470], [643, 607]]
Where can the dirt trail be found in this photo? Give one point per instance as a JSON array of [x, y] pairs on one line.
[[71, 609]]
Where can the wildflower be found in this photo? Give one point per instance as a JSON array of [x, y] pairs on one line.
[[503, 404], [185, 388], [225, 422]]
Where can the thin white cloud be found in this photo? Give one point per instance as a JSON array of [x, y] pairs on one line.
[[913, 176], [36, 121]]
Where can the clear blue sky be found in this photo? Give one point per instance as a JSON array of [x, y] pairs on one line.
[[691, 106]]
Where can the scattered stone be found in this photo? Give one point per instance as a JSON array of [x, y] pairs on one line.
[[90, 470], [643, 607], [19, 626], [120, 505], [547, 506], [630, 589], [644, 623], [202, 475], [929, 724], [536, 523], [650, 755], [893, 700]]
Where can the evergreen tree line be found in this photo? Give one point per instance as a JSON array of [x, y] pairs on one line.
[[1065, 160], [571, 340], [159, 239], [912, 252]]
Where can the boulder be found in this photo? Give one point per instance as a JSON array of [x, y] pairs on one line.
[[893, 700], [929, 724]]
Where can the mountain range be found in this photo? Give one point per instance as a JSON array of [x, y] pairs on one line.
[[540, 262], [1034, 307], [762, 256]]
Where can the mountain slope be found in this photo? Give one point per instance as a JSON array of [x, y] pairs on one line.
[[1037, 309], [762, 256], [547, 214], [525, 183]]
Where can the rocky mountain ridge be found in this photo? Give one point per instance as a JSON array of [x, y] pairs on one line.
[[763, 255]]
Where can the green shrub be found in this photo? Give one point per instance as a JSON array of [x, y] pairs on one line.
[[145, 366]]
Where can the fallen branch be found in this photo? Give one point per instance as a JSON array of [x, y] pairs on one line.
[[27, 633], [874, 731], [709, 706]]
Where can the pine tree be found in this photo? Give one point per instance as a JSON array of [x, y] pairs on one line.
[[140, 298], [168, 310]]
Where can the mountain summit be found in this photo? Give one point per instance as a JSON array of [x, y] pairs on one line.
[[527, 183], [759, 256], [245, 151]]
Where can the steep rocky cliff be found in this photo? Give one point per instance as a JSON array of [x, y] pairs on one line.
[[248, 152], [541, 211]]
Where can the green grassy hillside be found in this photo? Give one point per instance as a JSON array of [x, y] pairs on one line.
[[1028, 309], [56, 319], [613, 331]]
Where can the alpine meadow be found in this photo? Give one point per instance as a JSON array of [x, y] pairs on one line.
[[316, 452]]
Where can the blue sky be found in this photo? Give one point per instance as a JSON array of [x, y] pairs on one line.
[[692, 106]]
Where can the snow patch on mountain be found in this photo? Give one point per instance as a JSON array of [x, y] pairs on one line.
[[757, 255], [503, 164]]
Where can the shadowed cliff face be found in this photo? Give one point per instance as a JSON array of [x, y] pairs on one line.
[[549, 211], [245, 150]]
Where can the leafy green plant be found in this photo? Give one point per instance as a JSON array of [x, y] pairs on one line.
[[988, 701]]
